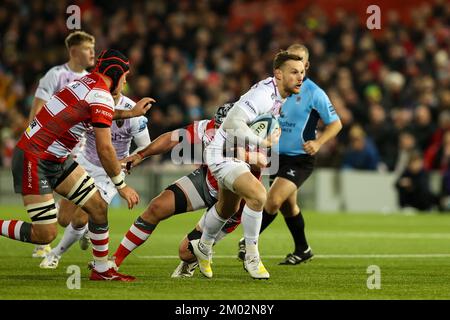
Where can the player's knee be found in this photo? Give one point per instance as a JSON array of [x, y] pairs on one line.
[[156, 212], [257, 200], [97, 209], [273, 203], [79, 221], [63, 220]]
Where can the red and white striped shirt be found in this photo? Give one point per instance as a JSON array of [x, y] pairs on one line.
[[203, 132], [55, 130]]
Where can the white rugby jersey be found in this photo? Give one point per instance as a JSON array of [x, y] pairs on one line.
[[122, 132], [264, 97], [55, 79]]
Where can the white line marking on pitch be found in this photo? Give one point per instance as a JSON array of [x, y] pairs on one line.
[[330, 256]]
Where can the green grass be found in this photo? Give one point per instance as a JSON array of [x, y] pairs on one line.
[[344, 244]]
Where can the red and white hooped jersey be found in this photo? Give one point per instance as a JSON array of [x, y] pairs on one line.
[[203, 131], [62, 121]]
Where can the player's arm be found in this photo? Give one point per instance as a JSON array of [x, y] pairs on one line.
[[36, 107], [236, 121], [108, 158], [331, 130], [329, 116], [140, 109], [160, 145]]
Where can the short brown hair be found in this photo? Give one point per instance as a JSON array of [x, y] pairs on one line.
[[78, 37], [282, 57]]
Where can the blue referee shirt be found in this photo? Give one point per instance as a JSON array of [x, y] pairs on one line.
[[299, 116]]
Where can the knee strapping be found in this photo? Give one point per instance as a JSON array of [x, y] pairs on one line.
[[82, 191], [42, 213]]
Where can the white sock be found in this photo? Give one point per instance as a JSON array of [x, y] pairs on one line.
[[212, 225], [71, 235], [251, 222]]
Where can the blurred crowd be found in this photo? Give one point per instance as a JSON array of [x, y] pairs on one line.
[[391, 88]]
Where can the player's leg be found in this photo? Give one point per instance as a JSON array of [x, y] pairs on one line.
[[37, 194], [215, 219], [251, 223], [65, 209], [43, 226], [236, 182], [74, 232], [280, 191], [76, 185], [296, 224], [188, 262], [185, 195]]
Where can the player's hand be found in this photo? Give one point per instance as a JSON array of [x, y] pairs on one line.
[[257, 159], [130, 162], [311, 147], [272, 139], [142, 106], [130, 195]]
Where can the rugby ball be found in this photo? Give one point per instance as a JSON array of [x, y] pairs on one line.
[[264, 125]]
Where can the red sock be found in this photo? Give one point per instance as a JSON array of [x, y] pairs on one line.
[[16, 230], [138, 233]]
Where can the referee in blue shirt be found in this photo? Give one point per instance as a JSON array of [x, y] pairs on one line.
[[297, 146]]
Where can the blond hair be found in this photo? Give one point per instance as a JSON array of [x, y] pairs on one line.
[[299, 47], [78, 37]]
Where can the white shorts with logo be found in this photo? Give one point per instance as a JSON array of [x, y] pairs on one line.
[[103, 183], [225, 169]]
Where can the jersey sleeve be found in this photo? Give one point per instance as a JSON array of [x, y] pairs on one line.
[[323, 105], [255, 102], [141, 136], [101, 105], [138, 125], [47, 85]]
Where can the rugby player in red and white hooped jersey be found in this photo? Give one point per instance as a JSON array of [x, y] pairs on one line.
[[192, 192], [80, 47], [42, 162], [122, 132]]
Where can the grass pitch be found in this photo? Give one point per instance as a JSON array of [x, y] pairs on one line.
[[412, 253]]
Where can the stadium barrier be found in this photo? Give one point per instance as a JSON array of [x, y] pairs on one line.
[[327, 190]]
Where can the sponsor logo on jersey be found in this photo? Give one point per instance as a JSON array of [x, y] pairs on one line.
[[100, 96], [249, 104], [32, 128], [103, 112]]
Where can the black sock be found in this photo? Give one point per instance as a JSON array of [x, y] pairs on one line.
[[296, 226], [266, 220]]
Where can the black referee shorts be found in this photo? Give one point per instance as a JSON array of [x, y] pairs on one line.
[[295, 168]]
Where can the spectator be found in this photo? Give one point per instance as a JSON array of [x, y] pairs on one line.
[[362, 153], [406, 147], [413, 186]]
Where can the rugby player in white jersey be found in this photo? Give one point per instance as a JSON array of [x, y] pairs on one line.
[[122, 132], [235, 179], [80, 46], [197, 190]]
